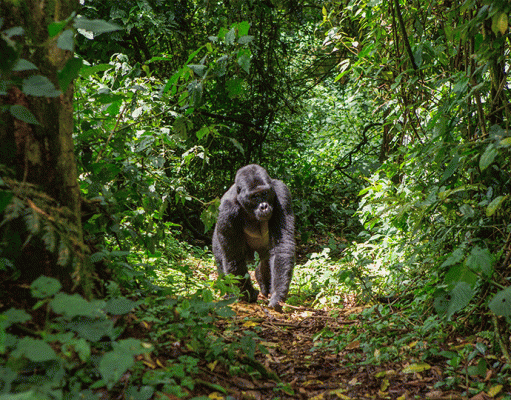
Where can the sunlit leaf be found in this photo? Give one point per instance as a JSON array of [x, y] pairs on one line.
[[414, 368], [499, 23], [495, 390], [96, 26], [488, 156], [495, 205]]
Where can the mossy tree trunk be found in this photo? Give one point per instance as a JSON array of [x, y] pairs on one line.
[[42, 154]]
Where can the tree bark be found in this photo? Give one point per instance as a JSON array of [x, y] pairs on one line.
[[43, 154]]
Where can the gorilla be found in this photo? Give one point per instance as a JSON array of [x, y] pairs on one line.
[[255, 215]]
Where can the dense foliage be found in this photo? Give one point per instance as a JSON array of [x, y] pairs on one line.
[[389, 121]]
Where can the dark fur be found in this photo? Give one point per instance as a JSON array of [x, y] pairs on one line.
[[256, 215]]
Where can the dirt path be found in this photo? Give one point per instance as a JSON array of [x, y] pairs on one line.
[[321, 374]]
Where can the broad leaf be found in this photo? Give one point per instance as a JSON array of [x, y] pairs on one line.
[[480, 260], [501, 303], [113, 365], [39, 86], [75, 305], [488, 156], [495, 205], [66, 40], [35, 350], [119, 306], [14, 316], [23, 114], [96, 26], [69, 72], [44, 287], [23, 65], [460, 296]]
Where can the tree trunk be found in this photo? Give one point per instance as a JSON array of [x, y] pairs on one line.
[[42, 155]]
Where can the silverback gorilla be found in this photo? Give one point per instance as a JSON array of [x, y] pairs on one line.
[[255, 214]]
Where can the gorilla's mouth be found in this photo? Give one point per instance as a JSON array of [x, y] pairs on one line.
[[263, 216]]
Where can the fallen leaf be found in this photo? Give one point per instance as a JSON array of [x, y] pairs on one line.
[[494, 390], [212, 365], [353, 345], [414, 368]]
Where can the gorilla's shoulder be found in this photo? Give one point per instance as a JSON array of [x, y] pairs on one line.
[[229, 204]]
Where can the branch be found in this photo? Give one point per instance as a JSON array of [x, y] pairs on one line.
[[405, 35]]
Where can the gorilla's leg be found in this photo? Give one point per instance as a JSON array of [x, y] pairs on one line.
[[263, 276], [247, 292]]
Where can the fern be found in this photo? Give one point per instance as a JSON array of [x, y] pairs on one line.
[[43, 218], [32, 221], [49, 237], [64, 254]]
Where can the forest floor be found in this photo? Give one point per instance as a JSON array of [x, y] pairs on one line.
[[322, 374]]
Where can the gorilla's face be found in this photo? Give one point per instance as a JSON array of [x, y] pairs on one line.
[[255, 192]]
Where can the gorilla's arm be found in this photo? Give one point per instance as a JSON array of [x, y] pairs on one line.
[[229, 245]]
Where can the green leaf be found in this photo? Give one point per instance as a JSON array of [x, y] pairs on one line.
[[460, 296], [499, 23], [234, 87], [39, 86], [198, 69], [451, 168], [23, 65], [501, 303], [132, 346], [14, 316], [75, 305], [479, 369], [245, 39], [202, 132], [495, 205], [415, 368], [82, 348], [23, 114], [56, 27], [230, 36], [5, 199], [144, 393], [248, 346], [243, 28], [506, 142], [44, 287], [460, 273], [113, 365], [87, 70], [96, 26], [244, 62], [480, 260], [488, 156], [119, 306], [35, 350], [92, 330], [237, 145], [66, 40]]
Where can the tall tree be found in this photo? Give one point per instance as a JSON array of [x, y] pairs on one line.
[[37, 143]]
